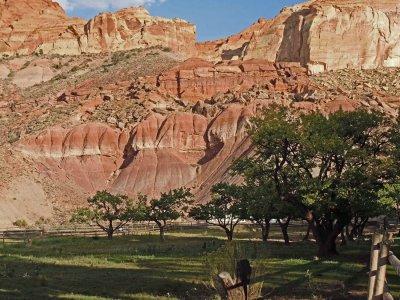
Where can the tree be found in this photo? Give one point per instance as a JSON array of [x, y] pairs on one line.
[[109, 212], [168, 207], [390, 194], [224, 210], [318, 163], [258, 202], [261, 202]]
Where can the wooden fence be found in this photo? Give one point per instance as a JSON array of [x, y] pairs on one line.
[[20, 234], [11, 235], [381, 256]]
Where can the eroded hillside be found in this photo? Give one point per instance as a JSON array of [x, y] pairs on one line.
[[148, 120]]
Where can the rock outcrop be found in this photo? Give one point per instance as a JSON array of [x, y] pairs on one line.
[[196, 79], [133, 28], [41, 26], [329, 35], [159, 154], [233, 47], [27, 25], [87, 155], [322, 35]]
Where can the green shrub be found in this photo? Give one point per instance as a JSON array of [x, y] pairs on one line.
[[225, 259], [21, 223], [13, 137], [74, 69]]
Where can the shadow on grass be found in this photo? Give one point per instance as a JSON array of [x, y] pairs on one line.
[[128, 266], [28, 280]]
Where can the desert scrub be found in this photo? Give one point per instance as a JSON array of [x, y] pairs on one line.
[[225, 259], [13, 136], [21, 223]]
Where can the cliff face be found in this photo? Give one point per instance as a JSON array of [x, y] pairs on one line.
[[328, 35], [133, 28], [27, 25], [160, 153], [233, 47], [41, 26], [146, 122], [196, 79]]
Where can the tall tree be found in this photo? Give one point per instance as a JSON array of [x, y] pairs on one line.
[[224, 210], [390, 194], [109, 212], [259, 205], [170, 206], [311, 158]]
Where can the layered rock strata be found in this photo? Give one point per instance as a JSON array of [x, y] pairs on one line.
[[41, 26], [197, 79], [329, 35]]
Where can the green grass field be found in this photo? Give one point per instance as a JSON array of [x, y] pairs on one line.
[[184, 267]]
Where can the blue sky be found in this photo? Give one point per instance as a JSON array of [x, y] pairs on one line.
[[214, 18]]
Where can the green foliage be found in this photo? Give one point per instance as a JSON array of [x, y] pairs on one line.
[[170, 206], [21, 223], [329, 168], [225, 258], [105, 209], [390, 196], [13, 136], [74, 69], [224, 210], [108, 269]]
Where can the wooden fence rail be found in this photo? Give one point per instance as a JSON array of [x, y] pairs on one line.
[[19, 234]]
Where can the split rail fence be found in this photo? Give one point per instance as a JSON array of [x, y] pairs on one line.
[[381, 256], [16, 235]]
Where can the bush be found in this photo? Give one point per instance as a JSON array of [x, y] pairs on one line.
[[21, 223], [26, 64], [225, 259], [13, 137], [74, 69]]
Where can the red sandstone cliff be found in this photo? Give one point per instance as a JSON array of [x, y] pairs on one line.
[[181, 125], [42, 26]]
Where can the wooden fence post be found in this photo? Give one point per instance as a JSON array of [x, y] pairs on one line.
[[382, 266], [376, 240]]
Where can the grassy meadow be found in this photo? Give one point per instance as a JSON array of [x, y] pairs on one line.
[[184, 267]]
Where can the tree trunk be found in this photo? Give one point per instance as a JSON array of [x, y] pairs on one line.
[[362, 226], [325, 237], [349, 235], [162, 233], [306, 237], [328, 247], [265, 229], [110, 231], [284, 228], [229, 234], [343, 238]]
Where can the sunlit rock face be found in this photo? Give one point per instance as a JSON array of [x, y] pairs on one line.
[[328, 35], [27, 25], [159, 154], [41, 26], [197, 79]]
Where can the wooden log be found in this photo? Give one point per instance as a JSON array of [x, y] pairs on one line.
[[227, 283], [376, 240], [395, 262], [382, 266]]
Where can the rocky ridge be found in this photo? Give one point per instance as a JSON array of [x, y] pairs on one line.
[[146, 121], [41, 27]]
